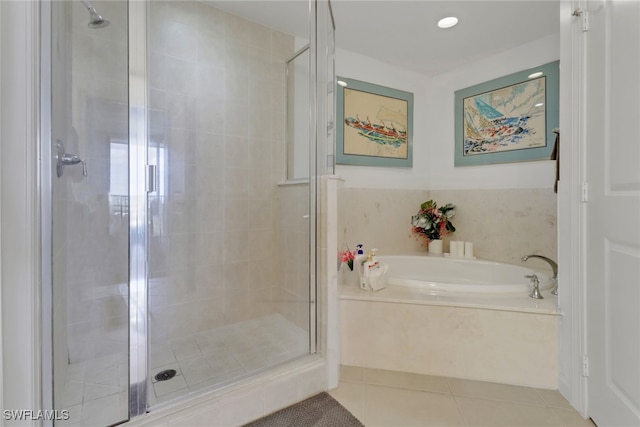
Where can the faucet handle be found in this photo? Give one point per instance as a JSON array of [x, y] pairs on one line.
[[535, 292]]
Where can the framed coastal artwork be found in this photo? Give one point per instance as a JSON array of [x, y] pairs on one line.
[[509, 119], [374, 126]]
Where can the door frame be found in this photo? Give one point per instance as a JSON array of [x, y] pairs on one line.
[[571, 207], [20, 190], [573, 202]]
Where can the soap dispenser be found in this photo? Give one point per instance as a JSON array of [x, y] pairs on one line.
[[372, 261], [376, 273], [358, 262], [369, 266]]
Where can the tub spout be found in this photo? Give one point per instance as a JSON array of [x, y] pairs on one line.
[[554, 267]]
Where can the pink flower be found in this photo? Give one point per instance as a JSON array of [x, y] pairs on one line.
[[348, 257]]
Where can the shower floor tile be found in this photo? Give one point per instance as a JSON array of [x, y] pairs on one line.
[[221, 354], [96, 390]]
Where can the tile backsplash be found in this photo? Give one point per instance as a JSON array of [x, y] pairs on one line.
[[503, 224]]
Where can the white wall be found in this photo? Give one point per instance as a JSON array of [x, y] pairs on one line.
[[433, 141]]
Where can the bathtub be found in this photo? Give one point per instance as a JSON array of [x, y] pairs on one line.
[[461, 318], [442, 274]]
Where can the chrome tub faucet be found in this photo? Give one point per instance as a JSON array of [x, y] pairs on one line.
[[554, 267]]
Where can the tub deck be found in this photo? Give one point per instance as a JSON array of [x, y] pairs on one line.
[[408, 295]]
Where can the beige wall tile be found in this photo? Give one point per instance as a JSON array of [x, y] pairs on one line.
[[504, 225]]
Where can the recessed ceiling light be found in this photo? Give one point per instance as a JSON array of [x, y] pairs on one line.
[[447, 22], [536, 74], [341, 83]]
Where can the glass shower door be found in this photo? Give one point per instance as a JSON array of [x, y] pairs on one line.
[[90, 211], [228, 246]]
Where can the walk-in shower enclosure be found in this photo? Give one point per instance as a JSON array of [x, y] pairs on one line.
[[181, 259]]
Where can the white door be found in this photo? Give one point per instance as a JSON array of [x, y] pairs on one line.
[[613, 212]]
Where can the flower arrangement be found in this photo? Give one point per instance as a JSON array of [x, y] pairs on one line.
[[432, 222], [347, 257]]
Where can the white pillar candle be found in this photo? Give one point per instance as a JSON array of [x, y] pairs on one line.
[[453, 248], [460, 249], [435, 246], [468, 249]]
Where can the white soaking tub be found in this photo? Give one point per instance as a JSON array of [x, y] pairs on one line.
[[443, 274], [462, 318]]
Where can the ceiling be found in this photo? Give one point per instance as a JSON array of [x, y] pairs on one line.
[[404, 33]]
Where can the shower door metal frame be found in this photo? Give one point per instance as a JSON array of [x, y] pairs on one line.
[[139, 185], [321, 161], [46, 207], [314, 178]]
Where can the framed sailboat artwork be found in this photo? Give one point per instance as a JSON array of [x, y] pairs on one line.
[[374, 126], [509, 119]]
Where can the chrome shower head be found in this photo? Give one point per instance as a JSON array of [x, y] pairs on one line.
[[95, 19]]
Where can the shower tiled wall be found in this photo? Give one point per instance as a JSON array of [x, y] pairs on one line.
[[217, 99]]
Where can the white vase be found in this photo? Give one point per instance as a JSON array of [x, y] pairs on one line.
[[435, 246], [349, 277]]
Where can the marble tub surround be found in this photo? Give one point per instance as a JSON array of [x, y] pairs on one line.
[[503, 224], [379, 218], [511, 340]]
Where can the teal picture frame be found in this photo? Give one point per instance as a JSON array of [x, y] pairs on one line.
[[374, 125], [508, 119]]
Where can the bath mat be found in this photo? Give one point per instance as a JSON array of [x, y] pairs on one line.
[[320, 410]]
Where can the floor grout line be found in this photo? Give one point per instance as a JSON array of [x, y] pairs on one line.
[[460, 413]]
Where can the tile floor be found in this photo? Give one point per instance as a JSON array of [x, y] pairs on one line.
[[397, 399], [96, 390]]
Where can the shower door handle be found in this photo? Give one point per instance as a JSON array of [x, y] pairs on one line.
[[152, 178], [66, 159]]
